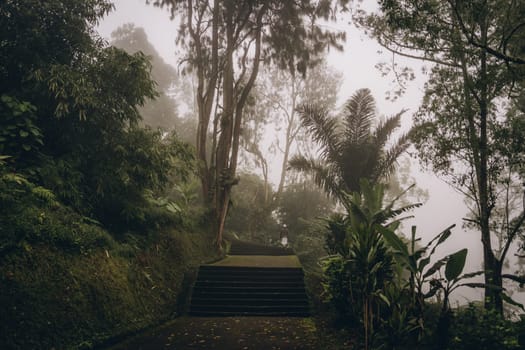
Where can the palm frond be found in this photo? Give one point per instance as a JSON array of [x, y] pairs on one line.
[[385, 215], [388, 162], [323, 175], [385, 129], [324, 130], [359, 112]]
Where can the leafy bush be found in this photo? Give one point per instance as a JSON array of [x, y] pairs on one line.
[[31, 215], [476, 328], [336, 286]]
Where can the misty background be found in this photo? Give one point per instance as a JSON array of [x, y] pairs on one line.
[[360, 64]]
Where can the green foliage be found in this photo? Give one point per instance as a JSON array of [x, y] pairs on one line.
[[250, 214], [31, 215], [426, 280], [476, 328], [399, 328], [337, 288], [51, 298], [462, 126], [336, 234], [356, 280], [72, 126], [139, 161], [19, 136], [349, 149], [73, 164]]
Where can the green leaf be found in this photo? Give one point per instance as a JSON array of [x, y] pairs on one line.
[[455, 264], [393, 240], [423, 263], [441, 237], [384, 298], [23, 133], [26, 147], [472, 274], [437, 265], [511, 301], [173, 207]]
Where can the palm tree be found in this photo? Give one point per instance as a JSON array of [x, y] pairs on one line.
[[350, 149]]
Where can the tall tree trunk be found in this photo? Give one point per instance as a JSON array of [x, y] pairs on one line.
[[231, 125], [223, 174], [491, 264], [476, 89], [205, 92], [290, 136]]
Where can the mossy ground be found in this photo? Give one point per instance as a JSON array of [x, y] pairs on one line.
[[57, 299]]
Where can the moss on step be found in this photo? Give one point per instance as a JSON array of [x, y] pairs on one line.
[[259, 261]]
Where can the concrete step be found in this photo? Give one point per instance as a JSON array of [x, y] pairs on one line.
[[250, 313], [265, 290], [248, 308], [214, 294], [254, 301], [225, 290], [239, 270], [247, 277], [248, 284], [251, 248]]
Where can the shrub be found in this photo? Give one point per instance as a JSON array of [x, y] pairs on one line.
[[476, 328]]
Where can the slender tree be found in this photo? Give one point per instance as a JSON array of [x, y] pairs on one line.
[[279, 93], [225, 41], [476, 49]]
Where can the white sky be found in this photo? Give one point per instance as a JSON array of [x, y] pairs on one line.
[[357, 62]]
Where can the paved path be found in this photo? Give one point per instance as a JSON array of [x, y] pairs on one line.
[[230, 333], [238, 333]]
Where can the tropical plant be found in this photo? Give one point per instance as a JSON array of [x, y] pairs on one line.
[[426, 280], [350, 149], [477, 57], [276, 96], [366, 266]]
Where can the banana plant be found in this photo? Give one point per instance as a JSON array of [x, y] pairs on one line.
[[427, 279]]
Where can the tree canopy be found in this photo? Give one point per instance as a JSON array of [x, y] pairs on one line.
[[70, 111], [478, 65]]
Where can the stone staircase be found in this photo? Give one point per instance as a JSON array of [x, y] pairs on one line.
[[251, 248], [250, 290]]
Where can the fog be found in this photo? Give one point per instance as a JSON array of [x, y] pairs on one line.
[[444, 206]]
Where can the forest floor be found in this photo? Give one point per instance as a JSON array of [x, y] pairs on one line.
[[239, 333]]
